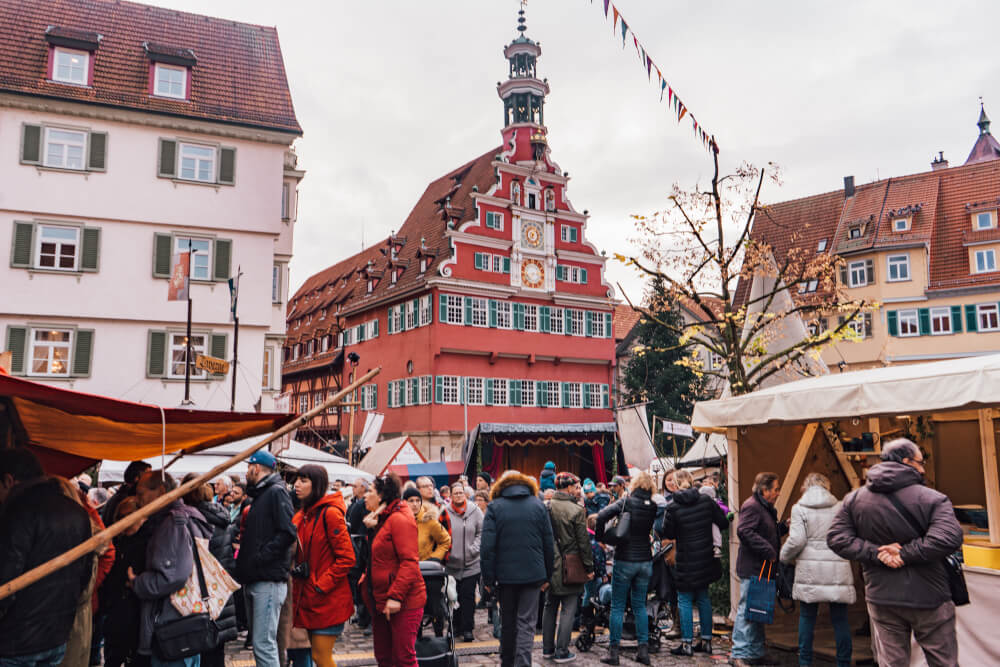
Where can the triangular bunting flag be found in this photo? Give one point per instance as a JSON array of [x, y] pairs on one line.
[[606, 2], [683, 111], [614, 11], [663, 86], [649, 67], [624, 31]]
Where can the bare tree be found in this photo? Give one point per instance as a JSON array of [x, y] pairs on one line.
[[702, 246]]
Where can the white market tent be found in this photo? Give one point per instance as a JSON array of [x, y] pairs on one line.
[[296, 456]]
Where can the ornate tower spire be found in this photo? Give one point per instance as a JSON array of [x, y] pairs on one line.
[[523, 94], [984, 120]]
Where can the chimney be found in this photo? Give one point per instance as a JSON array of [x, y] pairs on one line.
[[939, 162], [848, 187]]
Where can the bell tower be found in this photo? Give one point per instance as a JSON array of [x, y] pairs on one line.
[[523, 95]]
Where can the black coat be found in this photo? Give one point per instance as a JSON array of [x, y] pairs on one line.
[[760, 536], [221, 542], [265, 546], [118, 602], [517, 545], [38, 523], [639, 504], [689, 519]]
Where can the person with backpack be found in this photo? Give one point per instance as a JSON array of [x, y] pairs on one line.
[[321, 592]]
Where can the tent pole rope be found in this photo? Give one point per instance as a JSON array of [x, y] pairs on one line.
[[100, 539], [163, 440]]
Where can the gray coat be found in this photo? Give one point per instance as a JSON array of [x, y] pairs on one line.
[[820, 574], [466, 534], [169, 562]]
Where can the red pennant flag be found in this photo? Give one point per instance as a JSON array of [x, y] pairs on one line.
[[615, 10]]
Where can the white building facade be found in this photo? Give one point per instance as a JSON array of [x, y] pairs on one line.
[[126, 136]]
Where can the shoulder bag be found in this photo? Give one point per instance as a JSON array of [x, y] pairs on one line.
[[761, 597], [620, 531], [952, 564], [573, 570]]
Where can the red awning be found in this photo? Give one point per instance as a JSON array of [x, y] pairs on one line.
[[71, 430]]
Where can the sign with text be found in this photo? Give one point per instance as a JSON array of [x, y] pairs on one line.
[[211, 364], [180, 269], [677, 428]]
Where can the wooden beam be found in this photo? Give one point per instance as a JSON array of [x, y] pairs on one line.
[[794, 468], [733, 496], [987, 440], [98, 540], [960, 415], [838, 450]]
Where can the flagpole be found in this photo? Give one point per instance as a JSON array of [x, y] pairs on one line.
[[236, 337], [187, 341]]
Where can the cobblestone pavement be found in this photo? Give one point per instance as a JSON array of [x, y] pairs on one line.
[[356, 649]]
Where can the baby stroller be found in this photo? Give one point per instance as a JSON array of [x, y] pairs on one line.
[[435, 651]]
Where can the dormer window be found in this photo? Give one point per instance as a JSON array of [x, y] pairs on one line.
[[71, 66], [985, 220], [170, 81], [371, 285], [423, 264], [393, 276], [821, 246], [854, 233], [901, 225]]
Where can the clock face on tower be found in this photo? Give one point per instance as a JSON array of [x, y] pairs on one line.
[[531, 235], [532, 273]]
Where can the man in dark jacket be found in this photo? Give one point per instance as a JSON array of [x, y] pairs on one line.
[[516, 557], [760, 541], [906, 583], [37, 523], [131, 476], [355, 517], [265, 553]]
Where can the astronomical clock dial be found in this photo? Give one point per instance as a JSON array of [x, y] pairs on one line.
[[532, 273], [531, 235]]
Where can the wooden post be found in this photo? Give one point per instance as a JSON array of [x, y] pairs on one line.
[[733, 481], [792, 476], [874, 427], [838, 449], [987, 440], [103, 537]]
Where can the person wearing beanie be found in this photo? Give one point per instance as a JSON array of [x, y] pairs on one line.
[[484, 481], [548, 477], [593, 500]]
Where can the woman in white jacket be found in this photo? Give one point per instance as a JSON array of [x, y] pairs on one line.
[[820, 574]]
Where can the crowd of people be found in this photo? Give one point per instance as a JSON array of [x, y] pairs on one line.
[[538, 553]]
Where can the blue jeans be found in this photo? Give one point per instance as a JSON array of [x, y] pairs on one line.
[[48, 658], [748, 637], [193, 661], [685, 606], [267, 596], [841, 632], [590, 591], [630, 578]]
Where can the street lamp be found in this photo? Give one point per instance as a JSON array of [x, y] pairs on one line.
[[354, 358]]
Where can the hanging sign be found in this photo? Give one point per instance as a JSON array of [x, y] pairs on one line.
[[211, 364]]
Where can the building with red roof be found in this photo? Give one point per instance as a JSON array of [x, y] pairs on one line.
[[925, 246], [487, 309]]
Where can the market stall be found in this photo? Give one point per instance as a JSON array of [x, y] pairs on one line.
[[836, 424]]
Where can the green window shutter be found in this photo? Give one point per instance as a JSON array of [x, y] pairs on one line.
[[956, 319], [31, 144], [560, 272], [468, 310], [489, 391], [17, 343], [493, 313], [573, 232], [388, 319], [430, 308], [506, 264], [589, 323], [604, 396], [477, 261], [583, 276], [375, 328], [870, 271], [924, 317], [544, 319], [586, 394], [415, 304], [167, 161], [567, 321], [388, 395], [97, 153], [565, 394], [843, 275], [540, 393], [463, 390], [438, 389], [515, 392], [162, 251], [518, 316], [21, 246], [217, 348], [83, 352], [227, 166], [374, 396], [892, 322], [442, 307], [971, 321], [90, 249], [607, 325], [223, 259], [359, 333], [156, 354]]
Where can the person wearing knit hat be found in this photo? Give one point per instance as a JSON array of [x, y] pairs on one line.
[[548, 477], [593, 500], [484, 481]]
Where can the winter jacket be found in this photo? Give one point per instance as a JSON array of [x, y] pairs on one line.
[[394, 570], [268, 533], [689, 519], [433, 541], [169, 563], [547, 480], [642, 510], [868, 519], [569, 531], [760, 536], [600, 557], [466, 536], [38, 523], [221, 542], [820, 574], [355, 516], [324, 598], [517, 534], [119, 604], [595, 503], [110, 507]]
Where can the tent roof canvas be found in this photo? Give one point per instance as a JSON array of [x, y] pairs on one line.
[[396, 451]]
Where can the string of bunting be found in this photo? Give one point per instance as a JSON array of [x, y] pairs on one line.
[[677, 106]]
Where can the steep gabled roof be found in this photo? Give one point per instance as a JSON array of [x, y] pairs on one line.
[[238, 76]]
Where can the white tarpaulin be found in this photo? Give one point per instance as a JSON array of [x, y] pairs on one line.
[[707, 446], [893, 390], [633, 429], [373, 426]]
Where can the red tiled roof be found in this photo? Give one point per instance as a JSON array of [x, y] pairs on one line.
[[239, 76], [625, 318], [942, 222], [428, 221]]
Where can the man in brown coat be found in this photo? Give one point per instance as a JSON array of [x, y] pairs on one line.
[[906, 583]]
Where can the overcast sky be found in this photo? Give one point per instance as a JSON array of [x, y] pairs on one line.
[[392, 94]]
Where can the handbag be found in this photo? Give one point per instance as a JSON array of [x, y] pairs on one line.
[[190, 635], [219, 584], [784, 581], [621, 528], [573, 570], [761, 595], [952, 563]]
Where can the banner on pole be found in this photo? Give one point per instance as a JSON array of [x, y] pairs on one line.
[[179, 272], [234, 292]]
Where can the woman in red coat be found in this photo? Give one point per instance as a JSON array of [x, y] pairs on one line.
[[393, 586], [321, 594]]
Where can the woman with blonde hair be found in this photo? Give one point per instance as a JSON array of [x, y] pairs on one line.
[[820, 574], [633, 562]]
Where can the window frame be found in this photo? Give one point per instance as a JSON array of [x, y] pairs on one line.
[[527, 395], [83, 144], [159, 68], [553, 394], [821, 245], [977, 218], [426, 389], [266, 372], [480, 310], [557, 321], [426, 310], [574, 394], [577, 319], [454, 309], [985, 253], [214, 163], [475, 395], [530, 314], [940, 314], [984, 310], [595, 395], [36, 258], [501, 396], [892, 261], [61, 50], [209, 254], [896, 227], [449, 384], [172, 346], [911, 318], [505, 315], [851, 268], [68, 345]]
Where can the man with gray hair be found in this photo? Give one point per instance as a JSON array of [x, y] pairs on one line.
[[901, 532]]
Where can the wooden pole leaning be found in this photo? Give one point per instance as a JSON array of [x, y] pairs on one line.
[[103, 537]]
